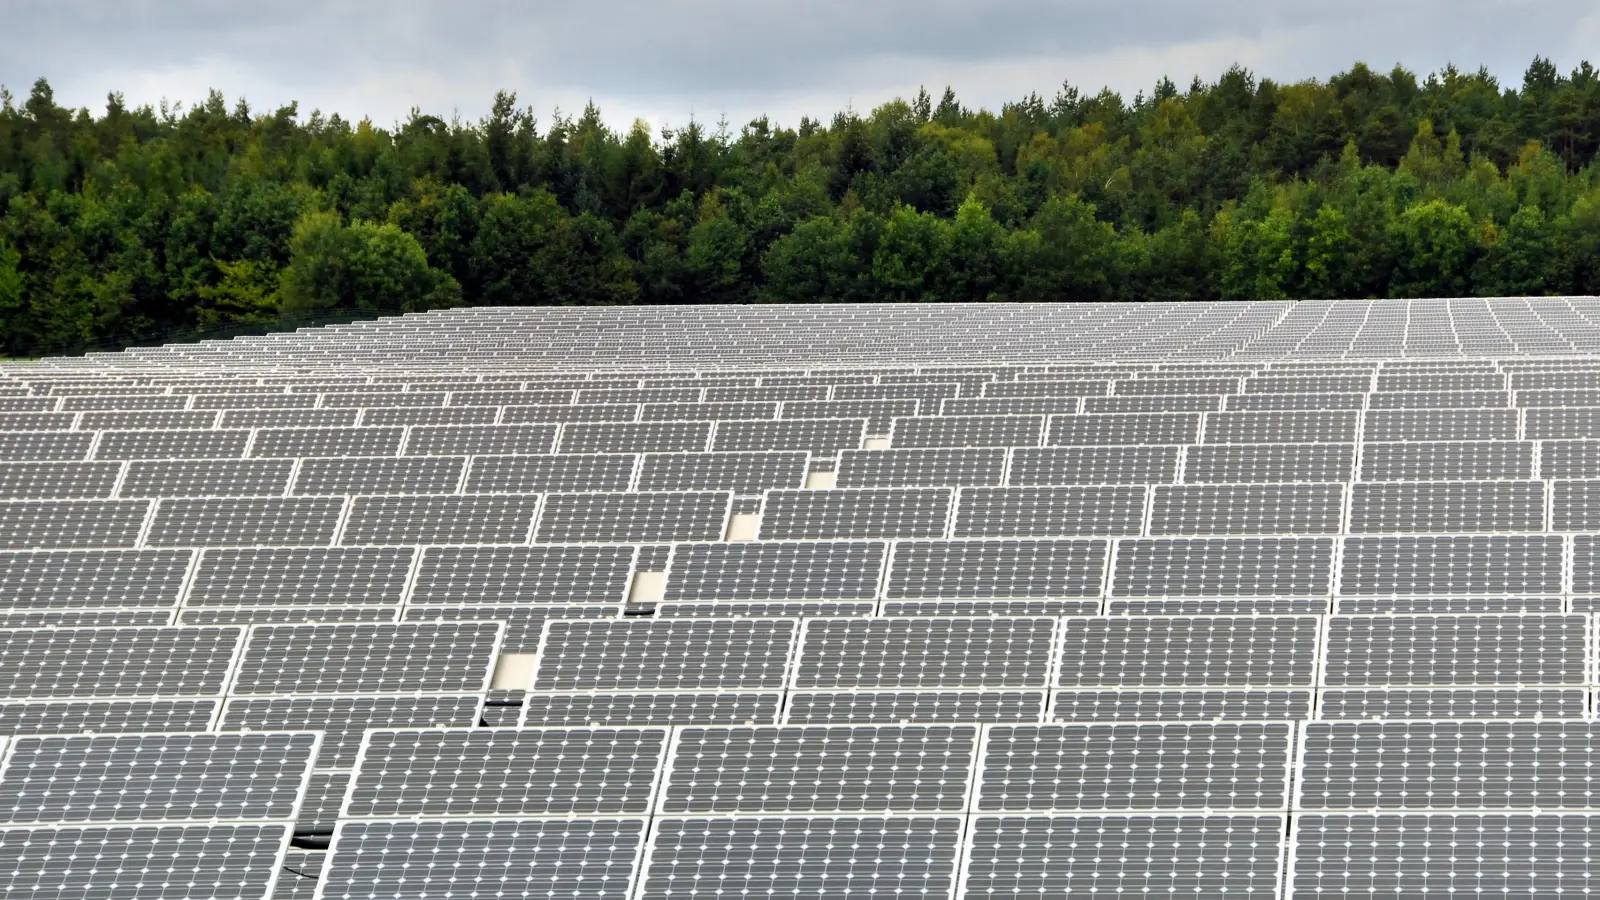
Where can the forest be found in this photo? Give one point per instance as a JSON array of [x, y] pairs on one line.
[[129, 223]]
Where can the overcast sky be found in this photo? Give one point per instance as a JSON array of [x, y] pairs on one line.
[[665, 60]]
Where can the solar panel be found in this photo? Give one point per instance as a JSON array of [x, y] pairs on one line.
[[819, 769], [319, 812], [1281, 427], [991, 607], [297, 876], [1149, 403], [1205, 567], [809, 857], [570, 574], [428, 415], [586, 859], [1209, 651], [1201, 509], [620, 708], [1441, 425], [499, 772], [1569, 459], [367, 658], [379, 475], [1086, 856], [855, 513], [1452, 703], [245, 521], [709, 412], [1459, 650], [207, 478], [128, 778], [282, 615], [65, 579], [808, 570], [1432, 604], [868, 707], [824, 437], [23, 446], [1367, 766], [1123, 428], [1065, 511], [924, 653], [144, 862], [63, 663], [1257, 463], [542, 473], [632, 517], [1202, 767], [1198, 705], [41, 524], [105, 716], [1116, 464], [635, 437], [300, 577], [1449, 507], [929, 467], [967, 431], [1458, 854], [287, 418], [879, 414], [1480, 564], [673, 655], [57, 481], [738, 473], [441, 519], [588, 412], [195, 444], [293, 442], [996, 568], [468, 440]]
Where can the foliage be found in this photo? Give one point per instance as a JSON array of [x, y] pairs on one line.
[[1367, 184]]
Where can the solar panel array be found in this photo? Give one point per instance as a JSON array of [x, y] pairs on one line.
[[960, 601]]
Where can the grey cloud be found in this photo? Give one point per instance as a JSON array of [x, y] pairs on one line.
[[670, 54]]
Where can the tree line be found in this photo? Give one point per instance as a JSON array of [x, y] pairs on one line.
[[142, 220]]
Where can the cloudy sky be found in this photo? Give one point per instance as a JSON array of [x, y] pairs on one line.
[[665, 60]]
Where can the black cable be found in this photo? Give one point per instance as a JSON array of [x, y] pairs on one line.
[[300, 873]]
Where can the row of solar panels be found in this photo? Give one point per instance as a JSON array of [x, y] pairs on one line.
[[935, 333], [344, 718], [1545, 412], [949, 393], [1531, 565], [71, 378], [708, 365], [1438, 507], [823, 437], [772, 654], [487, 773], [752, 473]]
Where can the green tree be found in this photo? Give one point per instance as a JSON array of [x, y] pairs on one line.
[[1524, 258], [1435, 246], [1065, 253], [245, 293], [529, 251], [1330, 251], [1259, 255], [714, 255], [360, 266], [814, 262], [906, 263]]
